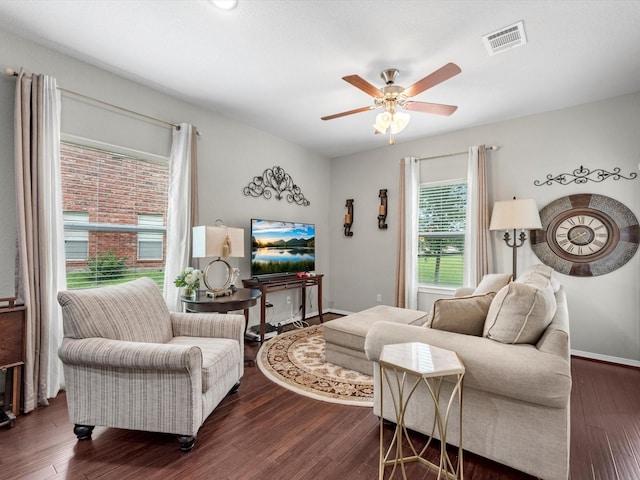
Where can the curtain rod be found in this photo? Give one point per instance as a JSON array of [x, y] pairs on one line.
[[491, 147], [10, 72]]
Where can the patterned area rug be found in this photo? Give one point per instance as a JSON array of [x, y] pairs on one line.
[[295, 360]]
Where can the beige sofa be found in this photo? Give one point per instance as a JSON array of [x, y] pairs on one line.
[[517, 381]]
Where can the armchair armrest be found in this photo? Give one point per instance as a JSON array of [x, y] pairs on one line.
[[103, 352], [213, 325]]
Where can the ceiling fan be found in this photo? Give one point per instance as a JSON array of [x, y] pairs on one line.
[[392, 96]]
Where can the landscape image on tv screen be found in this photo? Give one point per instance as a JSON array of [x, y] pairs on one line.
[[279, 248]]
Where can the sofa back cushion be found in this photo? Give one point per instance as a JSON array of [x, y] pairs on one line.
[[461, 315], [492, 282], [133, 311], [522, 310]]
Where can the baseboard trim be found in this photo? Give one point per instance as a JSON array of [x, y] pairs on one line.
[[338, 312], [606, 358]]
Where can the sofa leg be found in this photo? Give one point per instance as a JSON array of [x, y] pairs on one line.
[[186, 442], [235, 388], [83, 432]]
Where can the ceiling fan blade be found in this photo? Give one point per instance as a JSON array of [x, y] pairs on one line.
[[350, 112], [434, 108], [439, 76], [363, 85]]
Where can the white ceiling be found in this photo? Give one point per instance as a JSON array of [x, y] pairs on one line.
[[277, 64]]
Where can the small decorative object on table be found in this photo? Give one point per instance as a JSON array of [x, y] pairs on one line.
[[189, 280]]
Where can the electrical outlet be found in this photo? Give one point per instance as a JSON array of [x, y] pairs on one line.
[[288, 299], [379, 297]]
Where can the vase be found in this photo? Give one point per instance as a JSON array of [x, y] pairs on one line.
[[189, 293]]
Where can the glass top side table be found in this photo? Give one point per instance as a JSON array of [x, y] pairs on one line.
[[404, 366]]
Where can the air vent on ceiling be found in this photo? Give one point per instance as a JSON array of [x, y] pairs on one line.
[[505, 38]]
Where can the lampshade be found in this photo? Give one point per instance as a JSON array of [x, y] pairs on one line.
[[210, 241], [396, 120], [383, 120], [400, 120], [515, 214]]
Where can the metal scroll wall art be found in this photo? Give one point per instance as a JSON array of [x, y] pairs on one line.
[[382, 210], [584, 175], [348, 218], [275, 180]]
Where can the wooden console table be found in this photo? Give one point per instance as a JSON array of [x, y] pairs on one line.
[[277, 284], [12, 338]]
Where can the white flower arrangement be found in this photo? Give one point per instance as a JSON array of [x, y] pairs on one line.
[[188, 278]]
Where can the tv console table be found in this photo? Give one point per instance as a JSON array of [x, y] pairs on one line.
[[287, 282]]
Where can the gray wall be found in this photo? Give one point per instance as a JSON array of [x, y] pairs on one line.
[[230, 155], [604, 311]]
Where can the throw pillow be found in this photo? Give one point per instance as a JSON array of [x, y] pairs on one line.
[[462, 315], [492, 282], [539, 271], [520, 313]]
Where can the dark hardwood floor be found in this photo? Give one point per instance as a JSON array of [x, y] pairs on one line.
[[269, 433]]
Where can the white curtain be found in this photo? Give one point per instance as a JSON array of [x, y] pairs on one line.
[[407, 266], [40, 260], [477, 245], [181, 211]]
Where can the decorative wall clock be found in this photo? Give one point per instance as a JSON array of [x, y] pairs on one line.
[[586, 235]]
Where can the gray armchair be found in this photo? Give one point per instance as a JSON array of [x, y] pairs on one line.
[[130, 363]]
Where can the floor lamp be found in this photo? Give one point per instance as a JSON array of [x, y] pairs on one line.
[[515, 215]]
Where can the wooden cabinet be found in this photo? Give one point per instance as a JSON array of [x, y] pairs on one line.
[[12, 350]]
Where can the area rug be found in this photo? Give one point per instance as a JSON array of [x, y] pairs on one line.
[[295, 360]]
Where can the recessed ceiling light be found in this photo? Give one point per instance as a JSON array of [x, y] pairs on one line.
[[225, 4]]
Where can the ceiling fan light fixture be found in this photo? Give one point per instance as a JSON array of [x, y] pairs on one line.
[[225, 4], [383, 120], [399, 122]]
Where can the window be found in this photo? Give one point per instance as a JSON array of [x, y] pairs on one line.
[[76, 235], [107, 238], [441, 226], [150, 237]]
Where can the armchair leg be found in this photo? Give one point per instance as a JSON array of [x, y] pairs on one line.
[[83, 432], [186, 442], [235, 388]]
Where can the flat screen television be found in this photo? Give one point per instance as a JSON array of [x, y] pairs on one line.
[[282, 248]]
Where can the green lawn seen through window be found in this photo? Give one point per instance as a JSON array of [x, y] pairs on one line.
[[86, 279], [449, 273]]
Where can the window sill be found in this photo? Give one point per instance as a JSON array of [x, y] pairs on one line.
[[437, 290]]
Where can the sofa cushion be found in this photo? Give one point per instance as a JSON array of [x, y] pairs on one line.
[[539, 271], [465, 315], [492, 282], [133, 311], [219, 356], [520, 312], [350, 331]]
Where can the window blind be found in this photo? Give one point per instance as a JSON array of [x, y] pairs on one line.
[[441, 227]]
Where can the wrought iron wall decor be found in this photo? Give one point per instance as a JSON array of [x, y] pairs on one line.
[[279, 181], [348, 218], [584, 175], [382, 210]]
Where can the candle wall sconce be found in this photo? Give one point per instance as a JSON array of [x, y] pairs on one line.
[[382, 210], [348, 218]]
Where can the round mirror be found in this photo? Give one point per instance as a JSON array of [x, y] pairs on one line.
[[217, 275]]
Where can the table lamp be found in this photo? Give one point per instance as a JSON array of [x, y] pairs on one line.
[[515, 214], [221, 242]]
